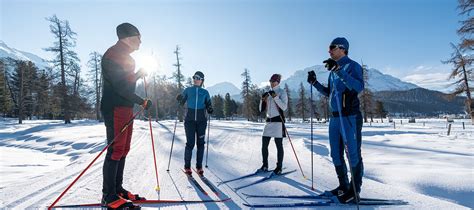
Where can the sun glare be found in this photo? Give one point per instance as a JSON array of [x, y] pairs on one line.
[[148, 61]]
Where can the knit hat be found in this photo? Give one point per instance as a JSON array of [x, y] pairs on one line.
[[341, 41], [199, 74], [275, 78], [125, 30]]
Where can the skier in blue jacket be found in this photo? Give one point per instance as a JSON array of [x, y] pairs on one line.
[[198, 102], [345, 82]]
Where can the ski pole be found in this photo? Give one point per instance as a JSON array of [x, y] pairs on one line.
[[93, 161], [312, 154], [346, 148], [207, 146], [291, 143], [157, 188], [172, 141]]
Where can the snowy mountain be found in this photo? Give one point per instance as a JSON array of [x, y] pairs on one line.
[[377, 80], [223, 88], [8, 52]]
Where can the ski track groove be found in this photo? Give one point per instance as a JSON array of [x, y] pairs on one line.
[[58, 186]]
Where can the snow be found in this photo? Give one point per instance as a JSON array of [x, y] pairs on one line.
[[415, 162], [223, 88], [6, 51]]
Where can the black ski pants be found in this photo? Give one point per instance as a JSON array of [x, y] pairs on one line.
[[195, 134], [279, 146]]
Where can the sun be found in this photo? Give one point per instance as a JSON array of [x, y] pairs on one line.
[[147, 61]]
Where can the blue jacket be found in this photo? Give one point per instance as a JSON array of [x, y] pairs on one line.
[[197, 101], [345, 84]]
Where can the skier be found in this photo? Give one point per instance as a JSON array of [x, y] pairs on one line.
[[345, 82], [198, 101], [274, 102], [118, 98]]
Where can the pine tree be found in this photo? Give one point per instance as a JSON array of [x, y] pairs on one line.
[[235, 107], [23, 81], [380, 110], [289, 110], [254, 102], [65, 59], [324, 106], [4, 96], [218, 105], [228, 109], [247, 95], [43, 93], [301, 108]]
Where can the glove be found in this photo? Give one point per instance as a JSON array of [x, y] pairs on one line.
[[210, 110], [272, 93], [146, 104], [140, 73], [331, 64], [311, 77], [179, 97], [265, 95]]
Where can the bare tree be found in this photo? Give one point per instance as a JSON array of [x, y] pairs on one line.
[[65, 57], [95, 74], [467, 26], [179, 79], [366, 96], [463, 75]]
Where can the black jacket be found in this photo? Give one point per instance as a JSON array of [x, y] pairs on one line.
[[119, 79]]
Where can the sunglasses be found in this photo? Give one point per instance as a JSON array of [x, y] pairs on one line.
[[196, 77], [333, 46]]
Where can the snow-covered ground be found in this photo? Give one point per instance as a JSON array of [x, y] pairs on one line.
[[418, 163]]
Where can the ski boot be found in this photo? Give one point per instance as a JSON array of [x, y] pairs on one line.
[[277, 171], [349, 196], [117, 202], [188, 171], [130, 196], [262, 169], [200, 171]]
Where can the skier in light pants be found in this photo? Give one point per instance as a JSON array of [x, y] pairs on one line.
[[345, 82], [274, 102]]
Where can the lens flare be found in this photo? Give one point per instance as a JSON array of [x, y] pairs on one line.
[[147, 61]]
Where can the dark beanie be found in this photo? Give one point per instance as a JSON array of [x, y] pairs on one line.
[[200, 74], [275, 78], [125, 30], [341, 41]]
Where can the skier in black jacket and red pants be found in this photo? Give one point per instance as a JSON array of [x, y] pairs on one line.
[[118, 99]]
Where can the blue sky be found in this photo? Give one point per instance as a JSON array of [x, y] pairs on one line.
[[404, 38]]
